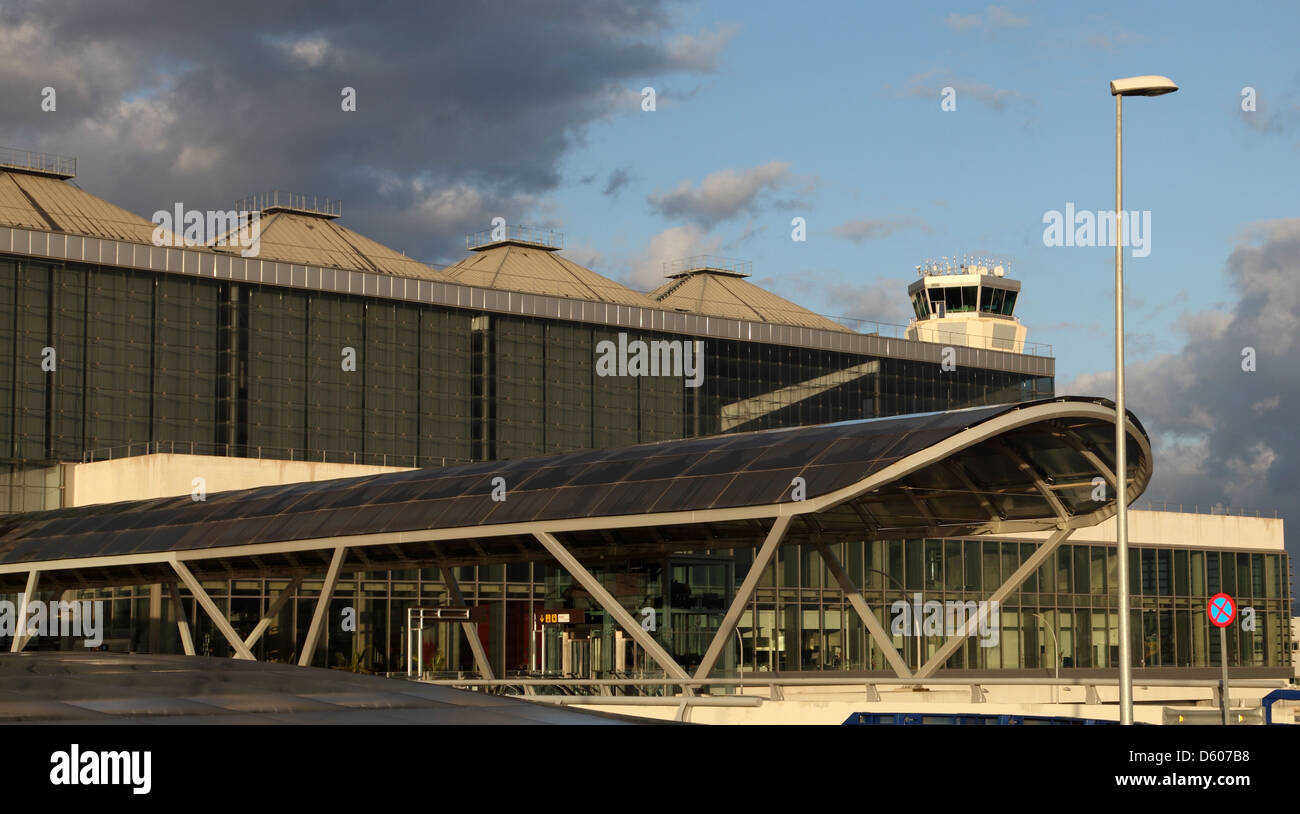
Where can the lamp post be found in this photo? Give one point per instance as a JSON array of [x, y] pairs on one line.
[[1119, 88], [915, 623]]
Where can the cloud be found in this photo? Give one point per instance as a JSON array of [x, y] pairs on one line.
[[993, 17], [618, 179], [1223, 434], [1116, 39], [310, 51], [931, 83], [646, 269], [875, 229], [700, 52], [585, 256], [1272, 113], [160, 107], [859, 306], [722, 195], [883, 300]]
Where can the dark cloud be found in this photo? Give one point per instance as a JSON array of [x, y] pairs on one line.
[[873, 229], [618, 179], [1225, 436], [470, 103]]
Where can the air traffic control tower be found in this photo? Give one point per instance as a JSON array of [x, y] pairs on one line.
[[969, 301]]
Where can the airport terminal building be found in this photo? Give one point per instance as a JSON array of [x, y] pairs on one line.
[[132, 371]]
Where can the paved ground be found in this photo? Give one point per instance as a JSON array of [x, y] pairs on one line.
[[118, 688]]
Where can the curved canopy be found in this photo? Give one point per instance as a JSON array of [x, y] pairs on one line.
[[1021, 467]]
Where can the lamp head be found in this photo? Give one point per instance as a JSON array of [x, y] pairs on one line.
[[1142, 86]]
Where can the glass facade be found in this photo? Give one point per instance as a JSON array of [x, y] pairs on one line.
[[797, 621], [104, 362]]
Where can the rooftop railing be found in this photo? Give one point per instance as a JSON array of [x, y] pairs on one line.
[[1141, 504], [295, 201], [545, 238], [269, 453], [59, 165], [708, 262], [895, 331]]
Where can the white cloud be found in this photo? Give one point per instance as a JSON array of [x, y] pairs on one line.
[[647, 267], [930, 83], [993, 17], [722, 195], [700, 52], [310, 51]]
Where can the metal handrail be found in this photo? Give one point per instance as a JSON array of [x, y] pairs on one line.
[[269, 453], [300, 201], [847, 681], [548, 238], [41, 162], [896, 331], [1212, 509]]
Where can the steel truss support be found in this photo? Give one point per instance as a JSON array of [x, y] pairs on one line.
[[854, 596], [21, 634], [762, 559], [214, 613], [182, 619], [470, 628], [322, 607], [1007, 588], [610, 605], [271, 612]]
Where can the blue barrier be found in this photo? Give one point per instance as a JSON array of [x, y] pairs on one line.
[[1277, 695]]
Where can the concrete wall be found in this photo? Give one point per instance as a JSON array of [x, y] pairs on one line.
[[166, 475], [1184, 529], [833, 705]]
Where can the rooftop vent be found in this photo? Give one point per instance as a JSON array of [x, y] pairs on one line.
[[57, 166], [709, 263], [277, 200], [547, 239]]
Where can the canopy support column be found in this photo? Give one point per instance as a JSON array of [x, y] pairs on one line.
[[762, 559], [851, 593], [276, 605], [322, 607], [1007, 588], [182, 619], [470, 628], [214, 613], [20, 627], [611, 606]]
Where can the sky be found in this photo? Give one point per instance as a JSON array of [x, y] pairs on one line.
[[763, 112]]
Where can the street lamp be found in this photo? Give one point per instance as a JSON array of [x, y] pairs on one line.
[[915, 623], [1119, 88]]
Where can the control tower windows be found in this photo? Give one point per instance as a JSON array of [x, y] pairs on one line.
[[1009, 303], [920, 305], [997, 301], [957, 298]]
